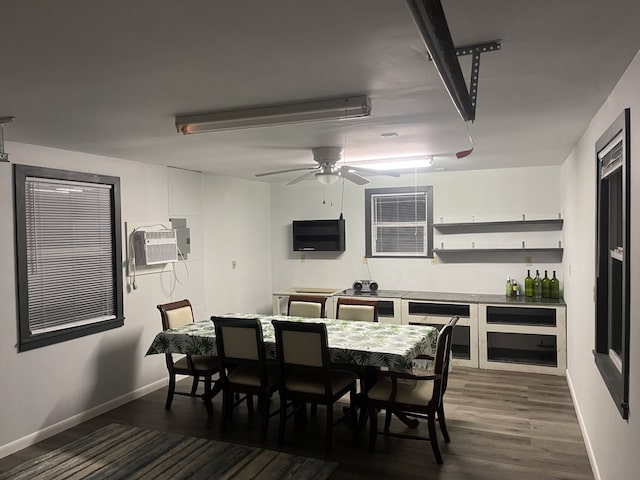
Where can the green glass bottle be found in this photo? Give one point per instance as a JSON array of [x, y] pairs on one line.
[[555, 286], [546, 286], [508, 287], [528, 285], [537, 285]]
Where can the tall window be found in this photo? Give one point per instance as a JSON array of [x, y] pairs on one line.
[[612, 260], [399, 222], [69, 254]]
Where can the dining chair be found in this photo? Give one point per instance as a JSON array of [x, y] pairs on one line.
[[201, 368], [357, 309], [312, 306], [244, 368], [306, 374], [414, 395]]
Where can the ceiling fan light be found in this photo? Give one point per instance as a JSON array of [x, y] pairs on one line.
[[327, 178]]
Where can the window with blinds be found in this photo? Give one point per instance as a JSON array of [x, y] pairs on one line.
[[69, 273], [399, 222]]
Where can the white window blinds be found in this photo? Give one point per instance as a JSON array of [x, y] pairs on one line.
[[70, 252], [399, 224]]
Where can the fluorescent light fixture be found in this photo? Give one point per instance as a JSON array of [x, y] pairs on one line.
[[272, 115], [394, 163]]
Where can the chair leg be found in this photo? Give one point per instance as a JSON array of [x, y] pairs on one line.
[[387, 420], [263, 405], [194, 385], [208, 395], [172, 389], [373, 427], [250, 404], [433, 437], [329, 432], [443, 424], [353, 398], [283, 419], [227, 401]]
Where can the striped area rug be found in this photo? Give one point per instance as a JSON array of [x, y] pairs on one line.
[[122, 451]]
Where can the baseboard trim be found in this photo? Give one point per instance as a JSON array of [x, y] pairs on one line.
[[585, 435], [56, 428]]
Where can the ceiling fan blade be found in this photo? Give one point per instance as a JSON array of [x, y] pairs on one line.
[[353, 177], [370, 171], [298, 169], [307, 176]]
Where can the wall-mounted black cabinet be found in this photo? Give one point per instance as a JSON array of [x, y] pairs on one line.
[[318, 235]]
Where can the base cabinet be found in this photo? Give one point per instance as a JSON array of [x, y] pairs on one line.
[[530, 338], [494, 331], [464, 347]]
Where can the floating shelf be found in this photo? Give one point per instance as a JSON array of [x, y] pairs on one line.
[[499, 255], [447, 251], [503, 226]]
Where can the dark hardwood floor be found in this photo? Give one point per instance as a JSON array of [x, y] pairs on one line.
[[503, 426]]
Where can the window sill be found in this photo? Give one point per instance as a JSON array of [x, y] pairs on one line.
[[614, 380]]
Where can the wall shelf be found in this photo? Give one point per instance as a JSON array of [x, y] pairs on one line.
[[499, 255], [503, 226]]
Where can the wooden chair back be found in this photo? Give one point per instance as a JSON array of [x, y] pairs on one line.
[[357, 309], [239, 341], [176, 314], [311, 306]]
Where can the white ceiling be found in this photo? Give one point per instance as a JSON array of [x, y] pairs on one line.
[[108, 77]]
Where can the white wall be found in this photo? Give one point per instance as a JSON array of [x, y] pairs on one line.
[[612, 442], [49, 389], [237, 225], [483, 195]]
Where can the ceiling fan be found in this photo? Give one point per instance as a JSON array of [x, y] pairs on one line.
[[327, 171]]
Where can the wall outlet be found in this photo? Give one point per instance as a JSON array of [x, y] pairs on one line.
[[233, 264], [365, 260]]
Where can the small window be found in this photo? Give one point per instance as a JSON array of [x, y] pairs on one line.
[[69, 254], [399, 222]]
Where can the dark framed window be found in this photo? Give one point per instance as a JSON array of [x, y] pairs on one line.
[[399, 222], [613, 259], [68, 243]]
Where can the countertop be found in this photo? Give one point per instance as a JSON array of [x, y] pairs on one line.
[[521, 300], [468, 298], [350, 292]]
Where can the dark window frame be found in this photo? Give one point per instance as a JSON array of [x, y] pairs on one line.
[[26, 339], [426, 189], [613, 284]]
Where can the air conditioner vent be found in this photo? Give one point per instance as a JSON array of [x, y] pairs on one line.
[[155, 247]]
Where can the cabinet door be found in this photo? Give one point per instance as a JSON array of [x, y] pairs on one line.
[[437, 314], [523, 338]]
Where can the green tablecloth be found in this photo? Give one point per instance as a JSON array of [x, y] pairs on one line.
[[350, 342]]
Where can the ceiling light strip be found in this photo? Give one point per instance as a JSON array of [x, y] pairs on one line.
[[272, 115]]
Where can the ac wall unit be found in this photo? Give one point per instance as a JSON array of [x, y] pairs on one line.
[[154, 247]]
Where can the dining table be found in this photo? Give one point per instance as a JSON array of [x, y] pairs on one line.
[[364, 344]]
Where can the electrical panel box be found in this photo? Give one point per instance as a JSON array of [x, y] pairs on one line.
[[183, 234], [155, 247]]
